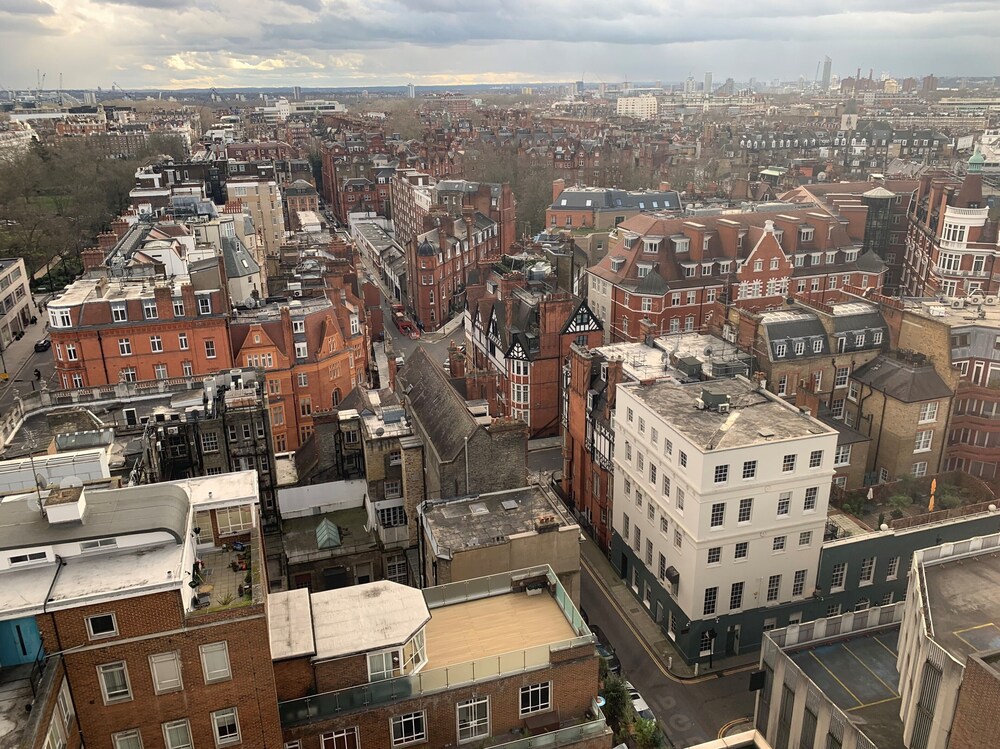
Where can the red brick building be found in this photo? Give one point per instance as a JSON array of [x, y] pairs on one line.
[[298, 196], [951, 240], [393, 682], [439, 260], [604, 207], [672, 270], [313, 353], [519, 334], [150, 630], [362, 195], [106, 330]]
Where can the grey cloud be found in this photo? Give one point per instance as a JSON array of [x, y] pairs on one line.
[[26, 8]]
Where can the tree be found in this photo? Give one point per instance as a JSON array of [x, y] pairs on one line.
[[617, 703], [646, 734]]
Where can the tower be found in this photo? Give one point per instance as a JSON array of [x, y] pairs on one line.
[[827, 63]]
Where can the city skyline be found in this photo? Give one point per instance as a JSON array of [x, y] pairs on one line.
[[329, 43]]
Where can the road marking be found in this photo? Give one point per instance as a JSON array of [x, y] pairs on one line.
[[731, 724], [894, 653], [891, 689], [642, 642], [872, 704], [825, 668]]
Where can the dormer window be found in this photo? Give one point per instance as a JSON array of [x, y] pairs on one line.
[[806, 234], [725, 266], [800, 260], [643, 269], [629, 242], [831, 258], [705, 242], [682, 244], [651, 245], [739, 239], [815, 258], [617, 263], [778, 234], [800, 348], [850, 256]]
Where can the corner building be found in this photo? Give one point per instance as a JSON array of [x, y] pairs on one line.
[[721, 493]]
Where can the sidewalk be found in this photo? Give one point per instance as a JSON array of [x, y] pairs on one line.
[[446, 330], [17, 353], [643, 625]]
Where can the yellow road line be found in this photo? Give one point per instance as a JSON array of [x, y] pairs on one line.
[[725, 729], [890, 650], [877, 677], [970, 629], [824, 667], [639, 638], [871, 704]]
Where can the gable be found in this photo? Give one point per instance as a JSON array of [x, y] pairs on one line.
[[582, 321], [517, 352]]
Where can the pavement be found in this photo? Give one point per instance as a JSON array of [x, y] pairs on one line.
[[689, 711], [20, 360], [649, 632]]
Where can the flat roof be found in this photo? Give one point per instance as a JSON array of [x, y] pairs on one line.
[[362, 618], [754, 417], [971, 315], [286, 611], [488, 519], [963, 599], [486, 627], [858, 674]]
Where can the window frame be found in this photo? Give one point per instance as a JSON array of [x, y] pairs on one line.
[[101, 635], [211, 647], [226, 741], [475, 723], [415, 717], [102, 669], [166, 658]]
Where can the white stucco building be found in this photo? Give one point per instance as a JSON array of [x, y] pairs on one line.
[[721, 493], [640, 107]]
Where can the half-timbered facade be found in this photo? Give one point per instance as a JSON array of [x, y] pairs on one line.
[[523, 337]]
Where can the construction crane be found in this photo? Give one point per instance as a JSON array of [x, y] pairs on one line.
[[123, 92]]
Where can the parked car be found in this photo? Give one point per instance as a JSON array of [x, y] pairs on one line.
[[638, 703], [608, 654], [43, 345]]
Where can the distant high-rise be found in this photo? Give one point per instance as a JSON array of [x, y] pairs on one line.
[[708, 84], [297, 93], [690, 86], [827, 64], [411, 91], [579, 88], [89, 97]]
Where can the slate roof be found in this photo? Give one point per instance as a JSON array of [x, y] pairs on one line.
[[903, 380], [435, 405], [239, 262], [611, 199]]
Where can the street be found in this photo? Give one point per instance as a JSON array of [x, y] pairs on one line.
[[545, 461], [688, 713]]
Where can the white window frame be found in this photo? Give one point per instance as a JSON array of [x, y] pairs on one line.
[[923, 441], [101, 635], [928, 412], [204, 305], [171, 679], [208, 651], [186, 725], [225, 713], [541, 704], [477, 727], [416, 734], [105, 668], [130, 739]]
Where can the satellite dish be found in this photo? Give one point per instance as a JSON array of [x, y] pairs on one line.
[[41, 481], [708, 350], [70, 481]]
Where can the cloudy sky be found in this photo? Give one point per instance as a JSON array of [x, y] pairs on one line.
[[224, 43]]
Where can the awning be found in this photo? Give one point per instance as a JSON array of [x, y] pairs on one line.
[[673, 575]]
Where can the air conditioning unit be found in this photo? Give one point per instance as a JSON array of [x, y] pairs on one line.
[[958, 304], [975, 298], [699, 404], [723, 408], [297, 292], [990, 301]]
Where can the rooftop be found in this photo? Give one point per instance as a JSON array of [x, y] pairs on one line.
[[486, 627], [304, 540], [754, 416], [488, 519], [962, 600], [971, 315]]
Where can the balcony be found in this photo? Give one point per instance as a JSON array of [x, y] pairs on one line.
[[222, 580], [942, 271], [395, 537], [530, 610], [23, 687]]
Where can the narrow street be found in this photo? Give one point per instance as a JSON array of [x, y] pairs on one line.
[[688, 713]]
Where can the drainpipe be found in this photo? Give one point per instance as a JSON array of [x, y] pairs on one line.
[[467, 465]]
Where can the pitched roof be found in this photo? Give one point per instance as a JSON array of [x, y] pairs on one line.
[[435, 405], [905, 381]]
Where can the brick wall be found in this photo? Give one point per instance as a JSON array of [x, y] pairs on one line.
[[154, 624], [574, 684], [978, 697]]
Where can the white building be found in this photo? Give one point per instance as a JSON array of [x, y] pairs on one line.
[[15, 299], [721, 493], [640, 107]]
